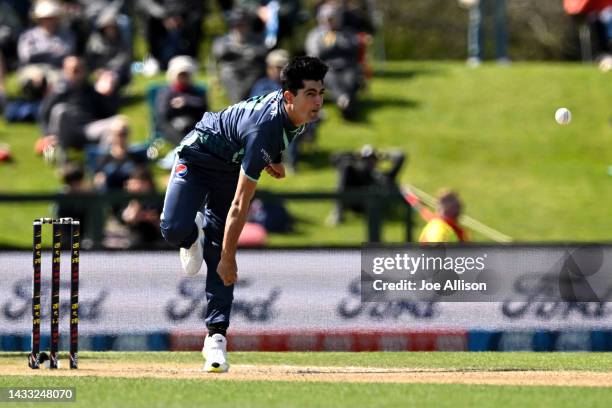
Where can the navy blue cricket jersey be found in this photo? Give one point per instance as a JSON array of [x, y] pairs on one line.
[[252, 133]]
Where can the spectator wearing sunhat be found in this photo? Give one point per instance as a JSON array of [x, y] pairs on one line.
[[40, 50], [47, 42], [180, 105]]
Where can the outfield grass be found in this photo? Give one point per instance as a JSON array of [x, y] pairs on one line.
[[114, 392], [488, 132], [207, 391]]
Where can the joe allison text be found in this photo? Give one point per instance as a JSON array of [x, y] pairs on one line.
[[423, 285]]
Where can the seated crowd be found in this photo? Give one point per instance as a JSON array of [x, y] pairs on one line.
[[73, 60]]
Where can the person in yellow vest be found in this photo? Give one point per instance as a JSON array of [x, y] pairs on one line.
[[444, 226]]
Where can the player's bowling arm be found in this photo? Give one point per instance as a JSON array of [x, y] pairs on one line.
[[236, 218], [238, 212]]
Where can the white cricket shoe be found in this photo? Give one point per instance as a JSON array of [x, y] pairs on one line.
[[215, 354], [193, 257]]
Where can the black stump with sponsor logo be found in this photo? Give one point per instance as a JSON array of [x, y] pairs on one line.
[[36, 357]]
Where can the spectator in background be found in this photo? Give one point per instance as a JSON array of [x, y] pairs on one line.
[[605, 60], [478, 9], [2, 82], [22, 8], [89, 10], [339, 48], [240, 55], [115, 167], [276, 19], [141, 215], [33, 82], [135, 224], [109, 51], [14, 18], [272, 215], [74, 114], [180, 105], [357, 15], [73, 181], [173, 27], [594, 19], [444, 227], [41, 50], [275, 61], [82, 16], [47, 42], [11, 27], [362, 171]]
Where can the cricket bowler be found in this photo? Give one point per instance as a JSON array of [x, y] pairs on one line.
[[214, 178]]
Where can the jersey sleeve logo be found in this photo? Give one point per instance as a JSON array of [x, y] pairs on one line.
[[266, 156], [180, 170]]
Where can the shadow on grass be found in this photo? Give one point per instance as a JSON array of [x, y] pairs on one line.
[[131, 100], [369, 106], [300, 224], [406, 74], [314, 158]]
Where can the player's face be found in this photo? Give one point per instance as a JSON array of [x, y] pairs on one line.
[[307, 103]]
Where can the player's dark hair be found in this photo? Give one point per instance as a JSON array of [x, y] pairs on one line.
[[301, 69]]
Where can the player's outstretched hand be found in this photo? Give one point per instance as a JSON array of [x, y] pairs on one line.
[[276, 170], [228, 271]]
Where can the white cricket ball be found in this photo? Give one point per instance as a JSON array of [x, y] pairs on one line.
[[563, 116]]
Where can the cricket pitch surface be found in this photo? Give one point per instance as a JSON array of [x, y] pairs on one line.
[[115, 368]]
